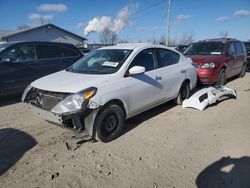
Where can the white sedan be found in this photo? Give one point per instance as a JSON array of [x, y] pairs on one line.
[[109, 85]]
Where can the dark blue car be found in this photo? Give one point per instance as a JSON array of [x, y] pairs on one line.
[[23, 62]]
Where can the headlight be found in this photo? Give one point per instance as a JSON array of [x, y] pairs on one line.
[[74, 102], [208, 66], [27, 89]]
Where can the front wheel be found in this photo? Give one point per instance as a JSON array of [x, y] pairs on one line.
[[222, 78], [243, 70], [183, 93], [109, 123]]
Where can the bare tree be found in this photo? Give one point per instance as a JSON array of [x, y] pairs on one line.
[[224, 34], [171, 42], [186, 38], [22, 27], [108, 37], [162, 40]]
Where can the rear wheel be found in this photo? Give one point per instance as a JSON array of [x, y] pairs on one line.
[[109, 123], [183, 93], [243, 70], [222, 78]]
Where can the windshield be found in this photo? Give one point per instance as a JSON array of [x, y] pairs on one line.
[[106, 61], [3, 46], [205, 48]]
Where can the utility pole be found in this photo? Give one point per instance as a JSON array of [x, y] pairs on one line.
[[168, 22], [41, 19]]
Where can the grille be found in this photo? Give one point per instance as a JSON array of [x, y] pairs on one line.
[[46, 99], [49, 101]]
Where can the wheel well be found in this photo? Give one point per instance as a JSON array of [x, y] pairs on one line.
[[117, 102], [186, 81]]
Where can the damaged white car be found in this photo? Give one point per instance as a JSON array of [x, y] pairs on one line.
[[109, 85], [207, 96]]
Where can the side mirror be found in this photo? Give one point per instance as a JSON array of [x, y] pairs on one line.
[[136, 70], [6, 60]]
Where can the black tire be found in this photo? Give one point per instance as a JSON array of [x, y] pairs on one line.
[[248, 67], [109, 123], [183, 93], [222, 78], [243, 70]]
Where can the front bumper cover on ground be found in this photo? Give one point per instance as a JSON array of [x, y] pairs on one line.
[[207, 96]]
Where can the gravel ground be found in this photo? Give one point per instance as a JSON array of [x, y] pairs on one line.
[[164, 147]]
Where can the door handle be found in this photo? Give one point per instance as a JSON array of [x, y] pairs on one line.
[[183, 71], [158, 78]]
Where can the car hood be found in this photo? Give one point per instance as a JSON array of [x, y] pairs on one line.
[[201, 59], [68, 82]]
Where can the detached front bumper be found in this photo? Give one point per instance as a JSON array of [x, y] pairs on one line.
[[43, 114], [78, 121]]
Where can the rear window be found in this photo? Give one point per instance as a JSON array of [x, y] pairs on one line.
[[205, 48], [69, 52]]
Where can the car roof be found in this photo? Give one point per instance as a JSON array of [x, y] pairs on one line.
[[38, 42], [132, 46], [223, 40]]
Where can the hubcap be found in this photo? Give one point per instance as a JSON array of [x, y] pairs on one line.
[[110, 123]]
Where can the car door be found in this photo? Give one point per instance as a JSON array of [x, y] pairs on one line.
[[240, 57], [16, 68], [231, 60], [144, 90], [173, 71]]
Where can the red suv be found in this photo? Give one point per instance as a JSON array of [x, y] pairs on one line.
[[218, 59]]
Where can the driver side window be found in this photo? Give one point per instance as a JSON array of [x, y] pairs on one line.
[[145, 58], [20, 54]]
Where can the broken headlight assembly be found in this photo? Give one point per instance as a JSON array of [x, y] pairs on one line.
[[75, 102]]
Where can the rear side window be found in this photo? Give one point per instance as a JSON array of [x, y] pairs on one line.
[[145, 58], [231, 49], [167, 57], [49, 52], [69, 52], [243, 47], [21, 54], [238, 48]]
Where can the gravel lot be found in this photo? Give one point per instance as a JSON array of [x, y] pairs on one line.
[[164, 147]]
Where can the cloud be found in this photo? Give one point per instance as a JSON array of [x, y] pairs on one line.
[[35, 16], [183, 17], [242, 13], [80, 25], [53, 7], [222, 18], [99, 24], [156, 28]]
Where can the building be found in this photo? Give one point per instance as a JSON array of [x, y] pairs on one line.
[[48, 32]]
